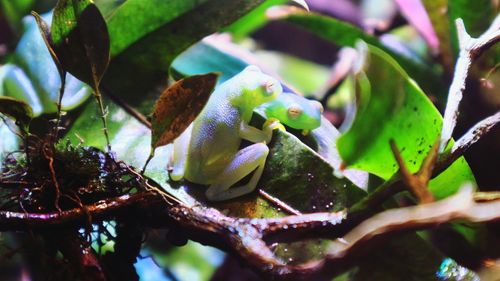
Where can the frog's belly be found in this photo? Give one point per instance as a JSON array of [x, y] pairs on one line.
[[210, 154]]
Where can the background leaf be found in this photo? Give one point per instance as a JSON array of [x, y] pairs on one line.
[[14, 83], [141, 59], [178, 106], [253, 20], [392, 106], [14, 11], [346, 35]]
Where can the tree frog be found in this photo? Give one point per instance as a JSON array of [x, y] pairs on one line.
[[208, 151], [295, 111]]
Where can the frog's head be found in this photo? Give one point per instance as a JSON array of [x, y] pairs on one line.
[[257, 87], [295, 111]]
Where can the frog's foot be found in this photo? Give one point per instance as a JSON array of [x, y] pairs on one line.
[[242, 164], [269, 126], [273, 124]]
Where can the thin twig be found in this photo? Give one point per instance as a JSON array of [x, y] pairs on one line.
[[417, 183], [104, 113], [475, 133], [470, 49], [278, 203]]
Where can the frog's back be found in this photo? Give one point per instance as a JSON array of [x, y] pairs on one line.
[[215, 136]]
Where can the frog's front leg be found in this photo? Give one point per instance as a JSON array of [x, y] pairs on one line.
[[255, 135], [243, 163]]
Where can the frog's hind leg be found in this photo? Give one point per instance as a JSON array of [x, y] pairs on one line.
[[242, 164], [177, 161]]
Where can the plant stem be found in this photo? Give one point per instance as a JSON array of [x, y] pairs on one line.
[[98, 96]]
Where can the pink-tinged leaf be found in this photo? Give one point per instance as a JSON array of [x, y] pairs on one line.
[[415, 14]]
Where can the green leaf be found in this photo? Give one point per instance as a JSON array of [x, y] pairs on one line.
[[344, 34], [14, 11], [80, 39], [178, 106], [392, 106], [107, 7], [17, 110], [143, 45], [253, 20], [314, 188], [40, 72]]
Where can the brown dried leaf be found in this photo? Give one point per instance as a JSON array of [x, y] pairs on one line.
[[178, 106]]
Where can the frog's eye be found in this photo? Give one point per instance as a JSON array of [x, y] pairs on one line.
[[294, 112], [269, 87]]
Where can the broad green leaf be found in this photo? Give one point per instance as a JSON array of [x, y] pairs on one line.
[[178, 106], [346, 35], [143, 45], [80, 39], [392, 106], [253, 20], [34, 59], [314, 187], [17, 110]]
